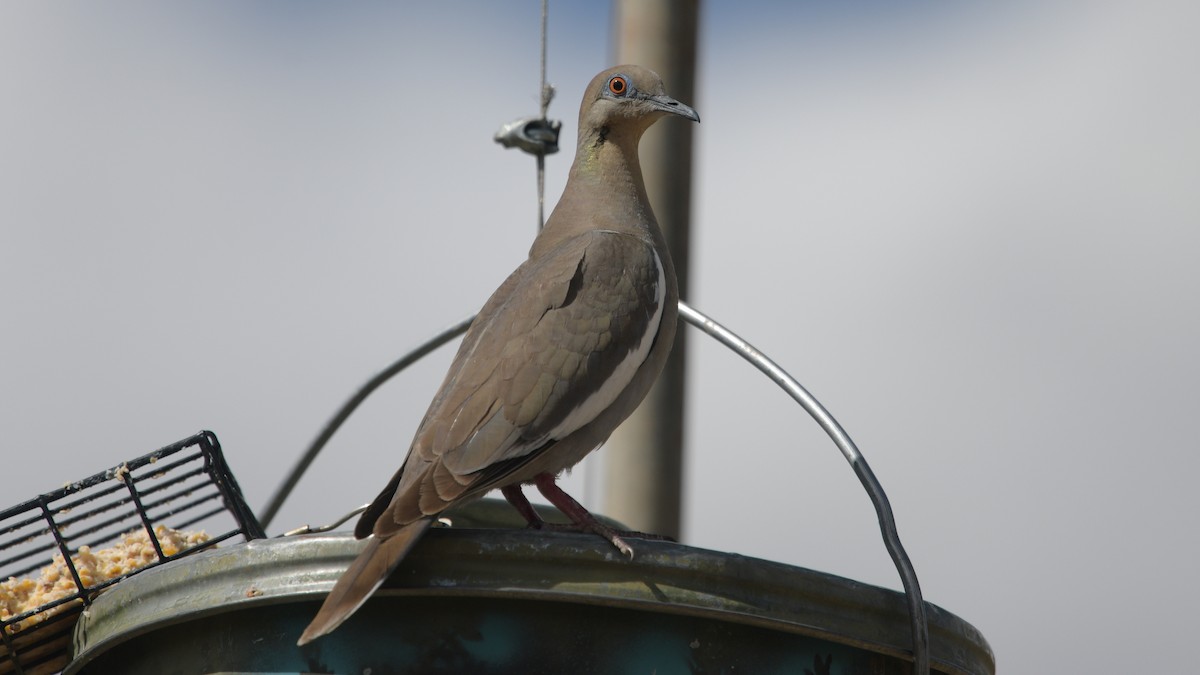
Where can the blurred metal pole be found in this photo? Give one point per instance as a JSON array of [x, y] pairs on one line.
[[643, 462]]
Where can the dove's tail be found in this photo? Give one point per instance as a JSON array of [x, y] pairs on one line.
[[365, 574]]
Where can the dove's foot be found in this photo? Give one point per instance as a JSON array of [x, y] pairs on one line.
[[581, 519]]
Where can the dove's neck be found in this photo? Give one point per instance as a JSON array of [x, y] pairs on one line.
[[604, 191]]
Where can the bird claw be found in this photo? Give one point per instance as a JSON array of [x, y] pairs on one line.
[[614, 536], [624, 548], [581, 519]]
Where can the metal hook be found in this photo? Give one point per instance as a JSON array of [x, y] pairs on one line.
[[306, 529], [535, 135]]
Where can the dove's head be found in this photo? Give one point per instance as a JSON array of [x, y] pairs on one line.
[[625, 101]]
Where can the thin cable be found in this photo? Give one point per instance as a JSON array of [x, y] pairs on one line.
[[887, 522], [544, 97], [289, 482], [541, 187], [309, 529]]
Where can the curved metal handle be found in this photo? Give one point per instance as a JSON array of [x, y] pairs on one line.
[[887, 522]]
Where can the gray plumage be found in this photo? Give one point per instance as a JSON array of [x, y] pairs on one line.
[[561, 353]]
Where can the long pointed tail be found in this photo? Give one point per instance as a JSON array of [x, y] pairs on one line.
[[365, 574]]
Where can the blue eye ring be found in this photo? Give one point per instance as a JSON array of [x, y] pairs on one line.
[[618, 85]]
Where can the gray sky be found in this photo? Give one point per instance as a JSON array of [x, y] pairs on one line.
[[970, 231]]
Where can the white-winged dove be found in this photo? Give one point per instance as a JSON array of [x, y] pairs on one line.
[[560, 354]]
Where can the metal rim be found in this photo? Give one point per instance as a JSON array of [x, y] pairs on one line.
[[522, 564]]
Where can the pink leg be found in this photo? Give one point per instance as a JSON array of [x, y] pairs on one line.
[[516, 497], [579, 515]]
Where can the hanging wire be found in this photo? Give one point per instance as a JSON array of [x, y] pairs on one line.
[[545, 93], [536, 135]]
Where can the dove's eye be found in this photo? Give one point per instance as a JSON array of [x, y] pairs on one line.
[[618, 85]]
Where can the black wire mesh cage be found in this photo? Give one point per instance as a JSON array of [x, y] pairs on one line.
[[60, 549]]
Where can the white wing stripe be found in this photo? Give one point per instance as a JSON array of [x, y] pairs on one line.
[[599, 400]]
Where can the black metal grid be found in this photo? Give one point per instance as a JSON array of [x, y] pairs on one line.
[[181, 486]]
